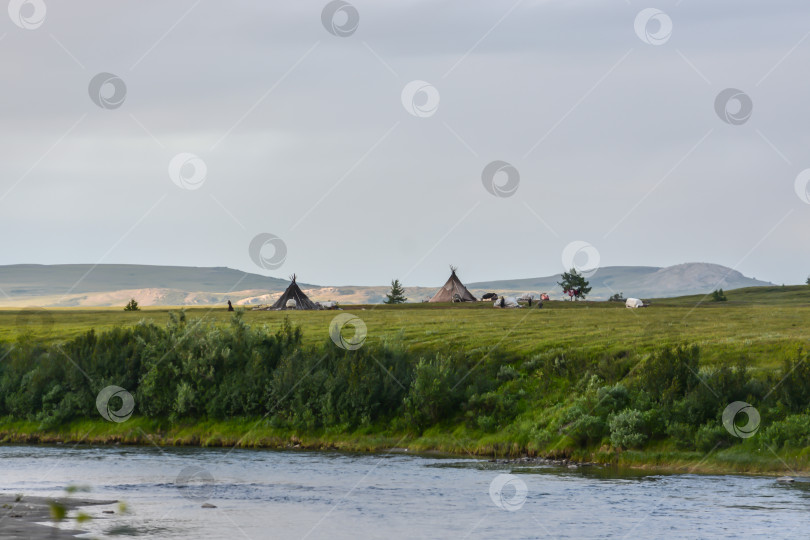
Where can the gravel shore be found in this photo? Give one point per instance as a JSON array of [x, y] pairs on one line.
[[20, 519]]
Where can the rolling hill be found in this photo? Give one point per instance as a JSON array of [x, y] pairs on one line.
[[640, 281], [114, 284]]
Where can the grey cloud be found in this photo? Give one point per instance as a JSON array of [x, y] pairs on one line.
[[604, 147]]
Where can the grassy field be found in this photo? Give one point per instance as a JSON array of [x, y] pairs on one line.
[[752, 322], [567, 380]]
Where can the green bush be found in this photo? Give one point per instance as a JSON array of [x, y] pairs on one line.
[[612, 399], [682, 434], [670, 373], [627, 429], [581, 425], [501, 405], [711, 436], [487, 423], [588, 429], [431, 396], [794, 389], [508, 373], [793, 432]]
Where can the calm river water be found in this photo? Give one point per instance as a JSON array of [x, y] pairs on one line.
[[291, 494]]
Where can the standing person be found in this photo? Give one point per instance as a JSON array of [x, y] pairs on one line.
[[230, 306]]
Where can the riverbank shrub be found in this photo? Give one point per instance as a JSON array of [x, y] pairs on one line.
[[627, 429], [712, 436], [195, 370], [670, 373], [792, 432], [794, 386], [433, 393]]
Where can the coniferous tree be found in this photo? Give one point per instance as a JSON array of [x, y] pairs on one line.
[[718, 296], [397, 294]]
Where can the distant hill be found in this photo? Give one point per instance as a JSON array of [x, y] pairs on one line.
[[114, 284], [638, 281], [45, 280]]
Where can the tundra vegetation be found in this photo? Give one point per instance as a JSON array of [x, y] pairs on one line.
[[619, 386]]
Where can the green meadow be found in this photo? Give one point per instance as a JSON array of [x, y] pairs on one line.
[[590, 381], [752, 322]]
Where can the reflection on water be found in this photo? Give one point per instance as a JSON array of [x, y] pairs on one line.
[[273, 494]]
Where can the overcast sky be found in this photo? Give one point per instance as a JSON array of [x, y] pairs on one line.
[[608, 117]]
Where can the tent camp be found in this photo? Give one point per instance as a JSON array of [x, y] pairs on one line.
[[634, 303], [453, 291], [506, 302], [294, 298]]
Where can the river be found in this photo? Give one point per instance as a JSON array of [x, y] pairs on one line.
[[301, 494]]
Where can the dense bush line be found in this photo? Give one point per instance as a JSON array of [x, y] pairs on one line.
[[189, 369], [668, 395]]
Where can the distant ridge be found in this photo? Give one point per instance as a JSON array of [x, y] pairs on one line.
[[45, 280], [114, 284], [640, 281]]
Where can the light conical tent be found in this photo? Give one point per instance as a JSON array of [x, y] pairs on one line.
[[453, 291], [294, 292]]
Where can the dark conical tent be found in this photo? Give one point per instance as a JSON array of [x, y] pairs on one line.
[[453, 291], [294, 292]]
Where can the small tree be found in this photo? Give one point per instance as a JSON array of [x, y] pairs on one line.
[[397, 294], [574, 284], [132, 306], [808, 280], [719, 296], [618, 297]]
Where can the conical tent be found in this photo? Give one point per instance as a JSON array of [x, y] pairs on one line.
[[294, 292], [453, 291]]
